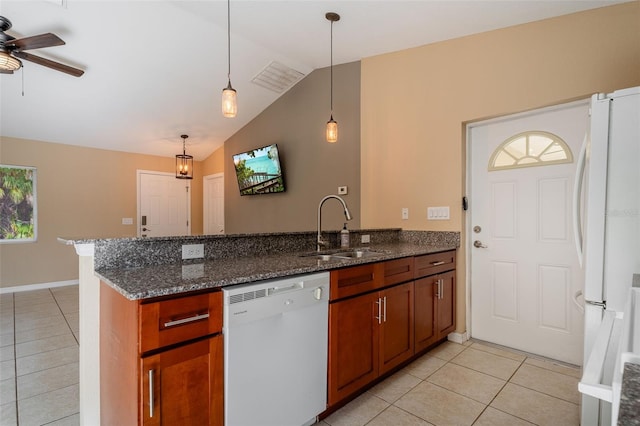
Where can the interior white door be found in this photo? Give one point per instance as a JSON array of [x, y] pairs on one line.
[[213, 204], [163, 205], [524, 266]]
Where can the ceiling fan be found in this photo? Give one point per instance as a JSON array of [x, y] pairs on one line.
[[12, 50]]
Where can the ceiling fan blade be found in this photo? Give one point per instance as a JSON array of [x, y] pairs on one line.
[[34, 42], [48, 63]]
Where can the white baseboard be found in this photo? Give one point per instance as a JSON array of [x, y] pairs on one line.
[[458, 337], [40, 286]]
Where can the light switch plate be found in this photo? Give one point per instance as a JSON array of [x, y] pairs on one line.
[[342, 190], [192, 251], [127, 221], [438, 213], [405, 213]]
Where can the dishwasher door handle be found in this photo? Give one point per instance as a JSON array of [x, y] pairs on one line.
[[276, 290]]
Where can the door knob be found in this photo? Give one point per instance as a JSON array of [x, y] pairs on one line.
[[146, 229], [478, 244]]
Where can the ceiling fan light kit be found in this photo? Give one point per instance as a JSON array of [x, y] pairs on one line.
[[229, 94], [332, 125], [184, 162], [12, 48], [8, 63]]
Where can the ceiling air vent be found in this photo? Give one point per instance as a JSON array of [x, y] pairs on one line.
[[277, 77]]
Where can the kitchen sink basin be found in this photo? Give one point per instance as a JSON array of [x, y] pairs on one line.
[[346, 254]]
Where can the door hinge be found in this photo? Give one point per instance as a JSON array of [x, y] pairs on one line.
[[186, 188]]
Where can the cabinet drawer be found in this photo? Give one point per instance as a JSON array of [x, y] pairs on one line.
[[176, 320], [435, 263], [357, 279], [398, 271]]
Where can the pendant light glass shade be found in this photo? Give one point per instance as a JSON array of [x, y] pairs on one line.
[[229, 101], [184, 162], [332, 130], [229, 95], [332, 125]]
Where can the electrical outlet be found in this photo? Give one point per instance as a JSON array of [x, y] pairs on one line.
[[405, 213], [192, 251], [364, 239], [127, 221], [342, 190]]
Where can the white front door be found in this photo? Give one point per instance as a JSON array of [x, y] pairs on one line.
[[524, 266], [163, 205], [213, 204]]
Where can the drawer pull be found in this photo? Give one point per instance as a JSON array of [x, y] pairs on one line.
[[437, 263], [186, 320]]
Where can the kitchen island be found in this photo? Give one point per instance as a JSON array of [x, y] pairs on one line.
[[144, 268]]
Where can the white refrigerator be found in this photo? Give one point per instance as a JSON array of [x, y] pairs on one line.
[[607, 221]]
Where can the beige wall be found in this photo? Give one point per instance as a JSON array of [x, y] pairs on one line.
[[416, 102], [81, 192], [312, 167]]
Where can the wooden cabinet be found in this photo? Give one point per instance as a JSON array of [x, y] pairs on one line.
[[383, 314], [371, 333], [435, 298], [161, 360]]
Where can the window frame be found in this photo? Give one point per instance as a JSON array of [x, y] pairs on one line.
[[539, 162]]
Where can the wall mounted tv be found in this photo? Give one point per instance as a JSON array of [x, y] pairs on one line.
[[258, 171]]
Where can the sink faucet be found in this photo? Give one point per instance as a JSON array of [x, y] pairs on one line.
[[347, 215]]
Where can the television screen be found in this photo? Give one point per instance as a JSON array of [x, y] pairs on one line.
[[258, 171]]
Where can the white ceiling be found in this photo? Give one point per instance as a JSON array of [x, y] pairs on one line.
[[156, 69]]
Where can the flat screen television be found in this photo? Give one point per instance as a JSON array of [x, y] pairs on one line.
[[258, 171]]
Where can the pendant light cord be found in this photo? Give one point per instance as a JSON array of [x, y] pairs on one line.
[[331, 69], [229, 39]]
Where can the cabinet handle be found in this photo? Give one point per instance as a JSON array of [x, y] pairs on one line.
[[437, 263], [186, 320], [379, 317], [385, 309], [150, 393], [441, 289]]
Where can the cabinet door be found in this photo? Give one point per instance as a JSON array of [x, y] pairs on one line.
[[183, 386], [396, 330], [425, 313], [447, 304], [353, 345]]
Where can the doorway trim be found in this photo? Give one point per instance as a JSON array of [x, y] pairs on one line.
[[466, 240]]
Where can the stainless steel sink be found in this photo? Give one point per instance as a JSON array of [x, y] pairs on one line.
[[346, 254]]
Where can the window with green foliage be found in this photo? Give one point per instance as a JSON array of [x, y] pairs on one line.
[[17, 204]]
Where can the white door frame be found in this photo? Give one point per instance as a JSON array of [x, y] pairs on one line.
[[205, 203], [468, 241], [154, 172]]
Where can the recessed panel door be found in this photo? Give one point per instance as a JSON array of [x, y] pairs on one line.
[[163, 204], [524, 266]]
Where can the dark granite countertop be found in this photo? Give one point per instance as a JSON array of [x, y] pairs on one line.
[[629, 413], [150, 281]]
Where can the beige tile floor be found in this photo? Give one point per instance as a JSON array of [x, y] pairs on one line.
[[39, 357], [470, 384]]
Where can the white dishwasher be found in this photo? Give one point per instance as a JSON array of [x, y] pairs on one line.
[[275, 351]]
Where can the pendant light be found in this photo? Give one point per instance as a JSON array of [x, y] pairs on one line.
[[184, 162], [229, 99], [332, 125]]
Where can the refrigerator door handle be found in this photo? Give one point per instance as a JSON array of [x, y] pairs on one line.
[[577, 199], [575, 301]]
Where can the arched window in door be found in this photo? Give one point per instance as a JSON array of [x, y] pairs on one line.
[[530, 149]]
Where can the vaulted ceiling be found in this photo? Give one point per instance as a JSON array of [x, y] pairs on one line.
[[155, 69]]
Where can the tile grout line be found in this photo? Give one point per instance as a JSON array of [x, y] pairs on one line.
[[501, 389]]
